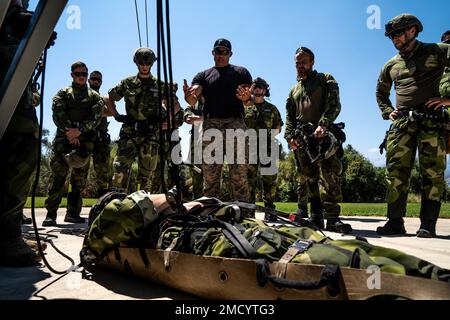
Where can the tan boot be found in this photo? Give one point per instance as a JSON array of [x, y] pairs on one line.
[[16, 253], [33, 244]]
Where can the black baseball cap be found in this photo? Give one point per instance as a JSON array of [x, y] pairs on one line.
[[222, 43]]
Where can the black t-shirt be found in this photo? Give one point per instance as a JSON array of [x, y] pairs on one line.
[[219, 90]]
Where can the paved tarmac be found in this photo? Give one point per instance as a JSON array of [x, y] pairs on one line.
[[22, 283]]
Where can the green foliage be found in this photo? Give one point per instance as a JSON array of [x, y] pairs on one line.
[[361, 180]]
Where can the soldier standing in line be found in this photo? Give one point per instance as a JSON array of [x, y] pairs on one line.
[[77, 111], [193, 115], [416, 71], [315, 99], [262, 116], [102, 142], [139, 136], [225, 88]]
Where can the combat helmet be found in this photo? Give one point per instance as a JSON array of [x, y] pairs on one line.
[[76, 159], [144, 56], [322, 149], [260, 82], [403, 21]]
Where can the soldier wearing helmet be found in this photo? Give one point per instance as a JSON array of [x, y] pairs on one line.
[[262, 116], [418, 123], [77, 111], [140, 133], [315, 100]]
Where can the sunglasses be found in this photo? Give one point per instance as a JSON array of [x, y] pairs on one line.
[[80, 74], [96, 79], [397, 33], [221, 52], [143, 64]]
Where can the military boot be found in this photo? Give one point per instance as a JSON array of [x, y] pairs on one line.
[[429, 213], [16, 253], [74, 208], [271, 217], [392, 227], [33, 244], [302, 212], [336, 225], [26, 220], [317, 213], [50, 219]]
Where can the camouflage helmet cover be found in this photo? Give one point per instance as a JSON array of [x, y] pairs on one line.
[[402, 21], [144, 56], [76, 159], [262, 83]]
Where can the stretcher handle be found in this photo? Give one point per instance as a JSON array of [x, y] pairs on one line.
[[329, 277]]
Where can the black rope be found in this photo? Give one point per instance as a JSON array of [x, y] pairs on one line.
[[36, 181], [138, 25], [146, 23]]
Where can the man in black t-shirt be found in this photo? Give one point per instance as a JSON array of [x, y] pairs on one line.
[[225, 89]]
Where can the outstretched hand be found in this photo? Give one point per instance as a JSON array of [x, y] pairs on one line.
[[190, 93], [243, 93]]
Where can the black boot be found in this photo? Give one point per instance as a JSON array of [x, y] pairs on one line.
[[50, 219], [302, 212], [392, 227], [16, 253], [26, 220], [429, 213], [336, 225], [317, 213], [74, 208]]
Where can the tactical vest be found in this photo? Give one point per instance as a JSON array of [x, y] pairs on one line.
[[79, 107]]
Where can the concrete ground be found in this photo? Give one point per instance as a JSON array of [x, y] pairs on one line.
[[22, 283]]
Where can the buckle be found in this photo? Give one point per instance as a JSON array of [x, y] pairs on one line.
[[302, 245]]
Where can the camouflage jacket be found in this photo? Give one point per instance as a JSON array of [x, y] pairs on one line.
[[416, 77], [314, 100], [141, 100], [444, 86], [263, 116], [77, 107]]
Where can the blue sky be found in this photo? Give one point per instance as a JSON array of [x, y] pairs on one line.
[[264, 34]]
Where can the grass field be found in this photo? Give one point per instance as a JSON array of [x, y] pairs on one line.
[[348, 209]]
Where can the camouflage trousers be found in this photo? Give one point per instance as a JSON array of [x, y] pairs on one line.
[[60, 171], [268, 183], [146, 151], [322, 177], [18, 158], [100, 160], [404, 140], [238, 172], [197, 177]]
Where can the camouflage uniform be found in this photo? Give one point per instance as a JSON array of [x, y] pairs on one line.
[[197, 177], [156, 183], [319, 94], [101, 156], [139, 136], [416, 80], [73, 107], [18, 148], [263, 116]]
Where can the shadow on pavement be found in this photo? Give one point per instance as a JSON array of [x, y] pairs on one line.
[[366, 220], [374, 235], [18, 283], [133, 287]]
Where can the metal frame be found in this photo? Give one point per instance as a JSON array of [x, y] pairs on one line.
[[4, 5], [28, 53]]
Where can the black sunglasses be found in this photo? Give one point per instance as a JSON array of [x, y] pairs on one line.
[[80, 74], [220, 52], [397, 33], [96, 79]]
